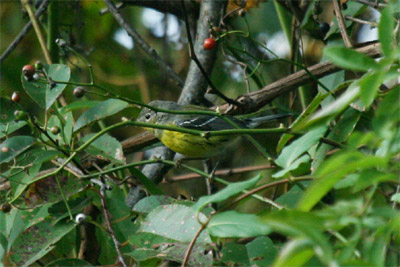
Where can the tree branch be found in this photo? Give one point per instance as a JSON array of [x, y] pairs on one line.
[[23, 32]]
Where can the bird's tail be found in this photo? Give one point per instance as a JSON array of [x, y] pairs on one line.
[[254, 122]]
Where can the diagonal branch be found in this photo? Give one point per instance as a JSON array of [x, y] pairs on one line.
[[341, 23], [143, 44]]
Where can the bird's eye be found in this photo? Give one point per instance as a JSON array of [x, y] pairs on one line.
[[147, 116]]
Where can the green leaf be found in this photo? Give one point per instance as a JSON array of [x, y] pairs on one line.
[[37, 241], [342, 130], [290, 199], [99, 112], [57, 72], [369, 85], [40, 90], [105, 147], [149, 203], [388, 115], [7, 109], [295, 253], [349, 59], [385, 31], [334, 108], [300, 119], [395, 197], [155, 246], [177, 222], [229, 191], [234, 255], [332, 171], [234, 224], [150, 186], [301, 225], [76, 105], [261, 251], [11, 127], [290, 154], [371, 177], [15, 145]]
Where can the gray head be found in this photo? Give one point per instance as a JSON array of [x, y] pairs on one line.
[[148, 115]]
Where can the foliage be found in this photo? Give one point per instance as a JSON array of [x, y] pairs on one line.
[[66, 173]]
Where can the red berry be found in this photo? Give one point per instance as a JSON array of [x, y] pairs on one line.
[[28, 70], [16, 97], [209, 44], [79, 92], [5, 149]]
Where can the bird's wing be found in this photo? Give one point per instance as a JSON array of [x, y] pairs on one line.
[[208, 123]]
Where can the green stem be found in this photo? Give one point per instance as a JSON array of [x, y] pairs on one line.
[[284, 18], [64, 198]]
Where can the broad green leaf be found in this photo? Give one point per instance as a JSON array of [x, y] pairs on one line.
[[233, 254], [149, 203], [57, 72], [229, 191], [150, 186], [369, 85], [293, 166], [177, 222], [385, 31], [332, 171], [342, 130], [76, 105], [11, 127], [388, 115], [106, 147], [68, 262], [292, 152], [38, 240], [15, 146], [155, 246], [349, 59], [305, 114], [232, 224], [99, 112], [301, 225], [41, 92], [7, 109], [261, 251], [334, 108], [290, 198], [295, 253], [371, 177], [395, 197]]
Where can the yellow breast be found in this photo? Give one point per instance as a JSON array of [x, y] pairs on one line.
[[195, 146]]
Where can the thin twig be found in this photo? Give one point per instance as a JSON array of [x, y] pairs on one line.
[[224, 172], [341, 23], [195, 59], [39, 34], [23, 32], [371, 4], [266, 186], [373, 24], [191, 245], [143, 44], [107, 217]]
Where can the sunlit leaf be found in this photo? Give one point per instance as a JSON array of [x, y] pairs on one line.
[[229, 191], [349, 59], [100, 111]]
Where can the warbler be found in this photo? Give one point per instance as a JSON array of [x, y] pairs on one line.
[[192, 145]]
